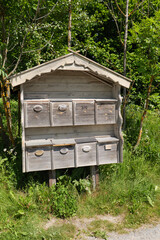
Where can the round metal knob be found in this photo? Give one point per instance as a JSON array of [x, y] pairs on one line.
[[37, 108], [86, 148], [39, 153], [62, 107], [64, 150]]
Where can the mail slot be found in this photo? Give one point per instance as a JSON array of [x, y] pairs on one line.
[[84, 112], [86, 154], [105, 112], [61, 114], [38, 158], [37, 114]]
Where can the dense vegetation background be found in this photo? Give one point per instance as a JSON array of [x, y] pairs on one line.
[[33, 32]]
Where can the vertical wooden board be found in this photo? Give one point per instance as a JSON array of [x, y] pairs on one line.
[[84, 112], [86, 154], [61, 113], [37, 114], [105, 113], [63, 157], [107, 153], [38, 158], [23, 129], [118, 126]]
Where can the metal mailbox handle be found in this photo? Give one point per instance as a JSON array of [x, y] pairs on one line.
[[37, 108], [39, 153], [86, 148], [62, 107], [64, 150]]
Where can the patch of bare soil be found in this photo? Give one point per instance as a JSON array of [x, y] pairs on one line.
[[82, 224]]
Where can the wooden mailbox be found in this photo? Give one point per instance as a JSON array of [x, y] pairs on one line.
[[70, 114]]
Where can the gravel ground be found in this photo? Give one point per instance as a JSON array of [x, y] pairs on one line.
[[149, 233]]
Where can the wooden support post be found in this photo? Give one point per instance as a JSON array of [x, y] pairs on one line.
[[95, 176], [52, 177]]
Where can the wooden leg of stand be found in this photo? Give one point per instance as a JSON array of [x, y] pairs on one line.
[[52, 177], [95, 176]]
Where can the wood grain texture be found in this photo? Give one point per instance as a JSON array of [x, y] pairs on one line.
[[105, 113], [107, 153], [86, 158], [118, 126], [23, 129], [61, 116], [69, 85], [38, 163], [84, 112], [63, 157], [35, 118], [69, 132], [72, 61]]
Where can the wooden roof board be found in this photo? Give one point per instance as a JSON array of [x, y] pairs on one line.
[[71, 61]]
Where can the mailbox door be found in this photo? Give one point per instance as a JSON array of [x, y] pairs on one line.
[[37, 114], [107, 153], [61, 113], [38, 158], [84, 112], [63, 156], [85, 154], [105, 113]]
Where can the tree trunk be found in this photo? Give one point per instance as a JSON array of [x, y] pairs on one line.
[[125, 60], [7, 110], [69, 24], [144, 112]]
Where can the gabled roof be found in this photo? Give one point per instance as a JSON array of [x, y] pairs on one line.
[[71, 61]]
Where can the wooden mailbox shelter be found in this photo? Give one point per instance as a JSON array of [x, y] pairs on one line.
[[70, 114]]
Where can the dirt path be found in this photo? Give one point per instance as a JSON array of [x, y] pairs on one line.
[[148, 233], [88, 228]]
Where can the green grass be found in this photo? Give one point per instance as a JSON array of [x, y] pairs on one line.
[[131, 189]]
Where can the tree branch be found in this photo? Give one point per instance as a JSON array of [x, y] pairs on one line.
[[39, 49], [115, 20], [47, 13], [119, 8], [137, 5]]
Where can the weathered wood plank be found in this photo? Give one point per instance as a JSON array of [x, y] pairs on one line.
[[63, 157], [107, 153], [69, 132], [52, 177], [61, 113], [69, 95], [38, 162], [105, 113], [23, 129], [86, 154], [37, 114], [84, 112]]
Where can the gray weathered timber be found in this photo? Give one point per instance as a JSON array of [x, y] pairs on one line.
[[105, 113], [38, 158], [84, 112], [86, 154], [69, 132], [63, 156], [23, 129], [70, 115], [37, 114], [119, 120], [61, 114], [72, 61], [107, 153]]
